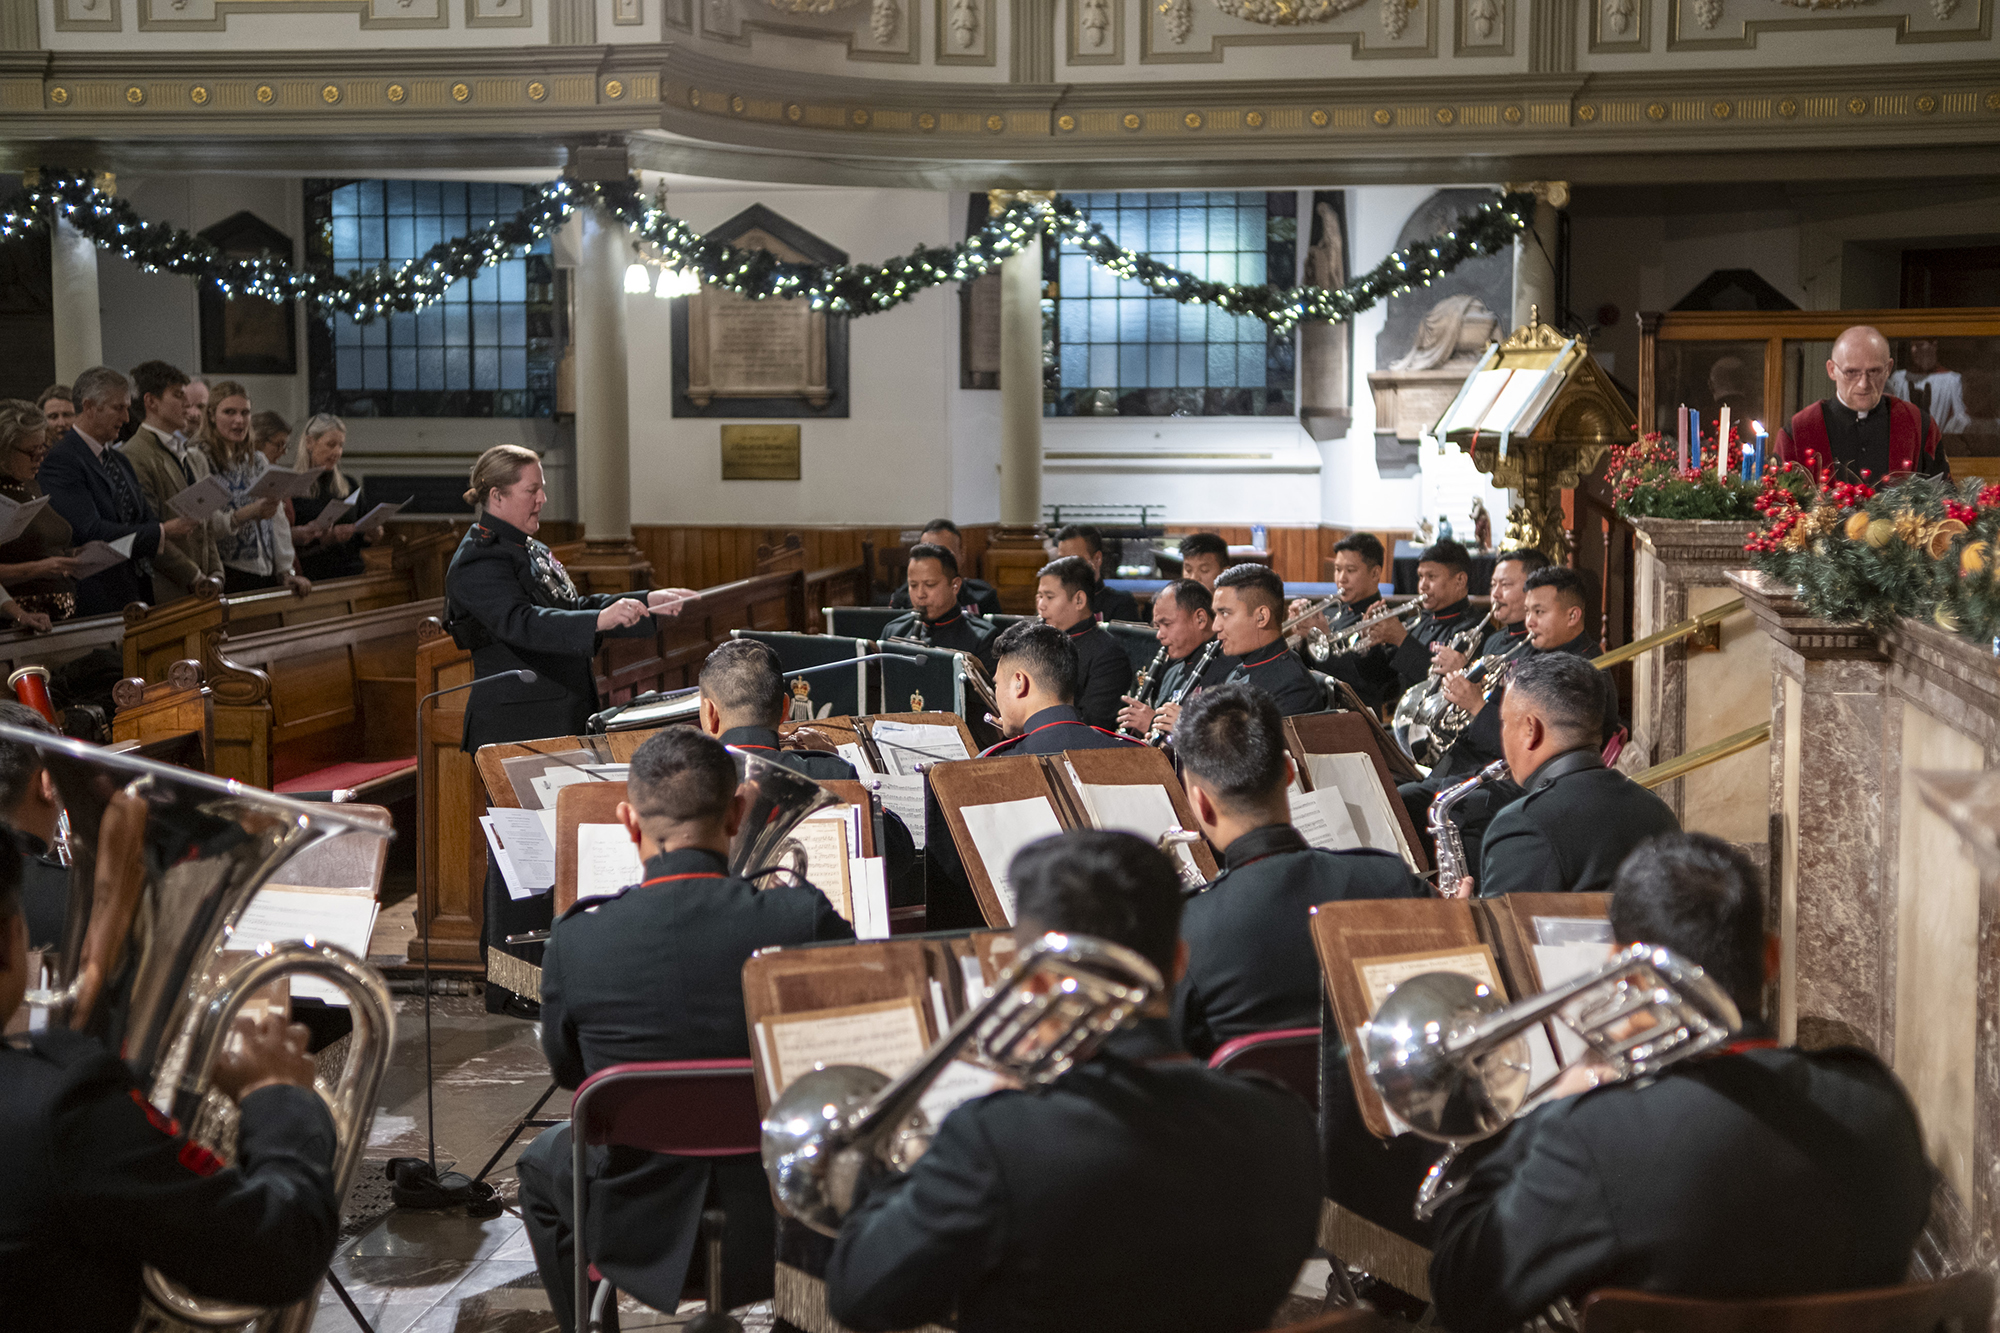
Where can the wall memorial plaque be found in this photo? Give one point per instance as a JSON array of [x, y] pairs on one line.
[[760, 452], [735, 357]]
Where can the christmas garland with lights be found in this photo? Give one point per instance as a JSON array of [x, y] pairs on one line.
[[848, 289], [1924, 549]]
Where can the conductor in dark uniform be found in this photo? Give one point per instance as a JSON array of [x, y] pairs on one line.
[[1578, 819], [1251, 966], [1035, 686], [1760, 1171], [1138, 1191], [981, 596], [95, 1183], [1103, 671], [1086, 543], [1250, 622], [655, 973], [939, 614], [508, 600]]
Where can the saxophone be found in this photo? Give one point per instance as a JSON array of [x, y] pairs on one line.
[[1146, 678], [1451, 867]]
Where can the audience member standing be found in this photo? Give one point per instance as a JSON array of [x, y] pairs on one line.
[[272, 435], [167, 463], [326, 550], [197, 407], [94, 488], [257, 550], [58, 404], [36, 566]]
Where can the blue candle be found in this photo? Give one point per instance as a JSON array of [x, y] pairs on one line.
[[1694, 437], [1762, 438]]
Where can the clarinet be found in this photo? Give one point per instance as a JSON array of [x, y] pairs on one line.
[[1193, 678], [1451, 867], [1146, 678]]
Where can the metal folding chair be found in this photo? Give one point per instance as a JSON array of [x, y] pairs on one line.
[[685, 1108]]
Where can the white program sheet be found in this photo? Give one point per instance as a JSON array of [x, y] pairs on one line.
[[1003, 828], [282, 912], [607, 860]]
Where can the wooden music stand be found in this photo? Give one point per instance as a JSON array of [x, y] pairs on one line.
[[491, 762], [987, 782], [1353, 733], [579, 803], [1511, 929], [1144, 766]]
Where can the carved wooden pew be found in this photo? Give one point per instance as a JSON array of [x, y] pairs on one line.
[[158, 636], [180, 705], [452, 851], [64, 643]]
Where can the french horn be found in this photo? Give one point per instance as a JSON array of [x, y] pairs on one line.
[[165, 861]]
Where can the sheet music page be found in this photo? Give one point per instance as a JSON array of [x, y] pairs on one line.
[[905, 796], [868, 883], [825, 838], [516, 889], [1368, 811], [904, 745], [523, 769], [520, 834], [607, 860], [1559, 963], [15, 516], [1322, 820], [1003, 828], [208, 496], [960, 1082], [887, 1037], [554, 780], [282, 912], [854, 754], [1142, 808], [1572, 930], [1380, 976]]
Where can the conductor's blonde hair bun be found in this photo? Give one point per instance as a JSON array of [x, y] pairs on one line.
[[497, 469]]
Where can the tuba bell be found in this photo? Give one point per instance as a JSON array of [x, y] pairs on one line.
[[1051, 1012], [166, 860], [779, 801], [1452, 1062]]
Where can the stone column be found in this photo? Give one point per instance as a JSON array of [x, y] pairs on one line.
[[79, 333], [1534, 255], [1015, 552], [608, 562]]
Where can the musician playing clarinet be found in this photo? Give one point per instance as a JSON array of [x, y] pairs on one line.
[[1183, 622], [1758, 1171]]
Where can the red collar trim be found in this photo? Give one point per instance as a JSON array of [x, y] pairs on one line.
[[772, 748], [957, 614], [1081, 627], [1282, 650], [1751, 1044], [668, 879]]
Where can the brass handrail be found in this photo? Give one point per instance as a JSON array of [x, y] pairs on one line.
[[1671, 634], [1661, 774]]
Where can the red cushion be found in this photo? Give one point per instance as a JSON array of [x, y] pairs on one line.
[[335, 776]]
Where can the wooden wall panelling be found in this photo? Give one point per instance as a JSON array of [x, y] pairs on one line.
[[451, 865]]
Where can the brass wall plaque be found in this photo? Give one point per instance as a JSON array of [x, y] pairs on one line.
[[760, 453]]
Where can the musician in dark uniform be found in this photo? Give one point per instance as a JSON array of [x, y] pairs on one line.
[[508, 600], [1357, 571], [1103, 671], [95, 1183], [981, 596], [1561, 619], [1183, 622], [939, 612], [1250, 622], [1035, 686], [31, 807], [1251, 966], [1444, 572], [1578, 819], [1758, 1171], [655, 973], [1863, 431], [1086, 543], [1204, 555], [1138, 1191]]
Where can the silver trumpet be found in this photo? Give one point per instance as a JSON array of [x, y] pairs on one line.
[[1452, 1061], [1324, 646], [780, 800], [166, 860], [1451, 866], [1051, 1012]]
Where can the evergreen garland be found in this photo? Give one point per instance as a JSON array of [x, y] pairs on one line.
[[1924, 549], [1647, 481], [848, 289]]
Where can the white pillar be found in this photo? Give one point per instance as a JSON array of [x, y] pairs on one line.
[[1021, 386], [1534, 257], [79, 333], [603, 411]]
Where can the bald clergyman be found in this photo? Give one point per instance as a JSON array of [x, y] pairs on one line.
[[1863, 428]]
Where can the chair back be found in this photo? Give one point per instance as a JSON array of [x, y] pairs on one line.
[[690, 1108], [1289, 1055], [1959, 1304]]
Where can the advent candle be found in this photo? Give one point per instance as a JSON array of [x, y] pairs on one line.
[[1694, 439], [1682, 431], [1722, 446], [1762, 440]]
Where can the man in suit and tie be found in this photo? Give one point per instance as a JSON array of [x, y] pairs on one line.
[[655, 973], [167, 460], [93, 486], [1139, 1190]]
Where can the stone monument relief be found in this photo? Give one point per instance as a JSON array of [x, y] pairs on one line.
[[1324, 349]]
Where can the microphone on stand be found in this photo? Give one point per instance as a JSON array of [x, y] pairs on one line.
[[526, 677]]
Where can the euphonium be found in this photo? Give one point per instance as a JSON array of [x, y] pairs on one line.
[[779, 801], [1422, 703], [166, 861], [1452, 1062], [1065, 996]]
